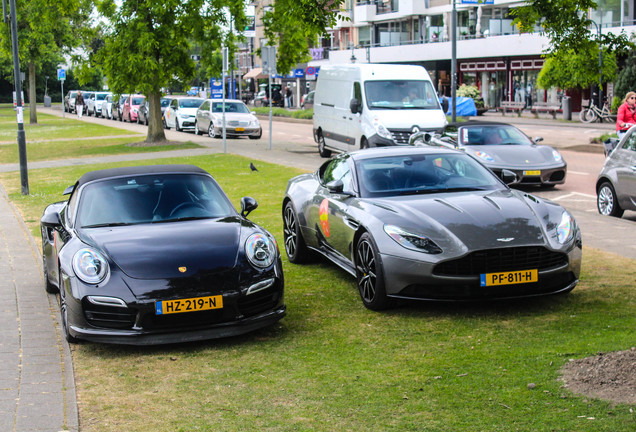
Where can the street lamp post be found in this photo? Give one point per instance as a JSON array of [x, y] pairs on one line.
[[600, 65], [453, 63]]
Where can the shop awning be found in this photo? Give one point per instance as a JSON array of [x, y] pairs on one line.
[[255, 73]]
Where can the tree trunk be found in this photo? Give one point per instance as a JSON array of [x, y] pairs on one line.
[[155, 123], [33, 113]]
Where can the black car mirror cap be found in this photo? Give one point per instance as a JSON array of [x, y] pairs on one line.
[[354, 106], [508, 176], [248, 205], [336, 186], [51, 220], [537, 140]]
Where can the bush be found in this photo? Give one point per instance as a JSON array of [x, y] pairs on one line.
[[471, 92]]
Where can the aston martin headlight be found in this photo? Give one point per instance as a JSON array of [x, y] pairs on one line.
[[381, 129], [565, 228], [90, 266], [412, 241], [557, 156], [260, 250], [484, 156]]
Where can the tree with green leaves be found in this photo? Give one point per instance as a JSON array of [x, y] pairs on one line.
[[572, 58], [47, 29]]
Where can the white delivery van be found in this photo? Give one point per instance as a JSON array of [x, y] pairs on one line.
[[371, 105]]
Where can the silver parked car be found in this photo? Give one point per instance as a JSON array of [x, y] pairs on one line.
[[107, 107], [239, 121], [616, 184], [430, 223]]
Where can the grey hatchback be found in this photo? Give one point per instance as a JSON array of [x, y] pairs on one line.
[[616, 184]]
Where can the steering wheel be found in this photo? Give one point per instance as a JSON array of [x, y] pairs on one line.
[[187, 204]]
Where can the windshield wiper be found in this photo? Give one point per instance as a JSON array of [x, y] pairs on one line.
[[109, 224], [188, 218]]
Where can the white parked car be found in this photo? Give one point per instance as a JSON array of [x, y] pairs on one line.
[[107, 107], [94, 103], [181, 113], [239, 121]]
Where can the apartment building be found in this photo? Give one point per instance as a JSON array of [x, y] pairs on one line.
[[491, 53]]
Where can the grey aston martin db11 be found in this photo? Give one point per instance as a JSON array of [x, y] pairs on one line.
[[158, 254], [502, 146], [430, 223]]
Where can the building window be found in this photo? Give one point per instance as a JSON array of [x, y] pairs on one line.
[[364, 36]]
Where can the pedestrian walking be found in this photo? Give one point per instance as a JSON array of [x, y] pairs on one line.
[[626, 117], [288, 97], [79, 104]]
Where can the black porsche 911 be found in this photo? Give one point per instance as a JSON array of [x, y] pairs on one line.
[[158, 254]]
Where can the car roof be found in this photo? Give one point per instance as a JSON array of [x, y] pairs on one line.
[[478, 123], [375, 152], [138, 170], [226, 100]]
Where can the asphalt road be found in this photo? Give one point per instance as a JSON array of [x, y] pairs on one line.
[[292, 144]]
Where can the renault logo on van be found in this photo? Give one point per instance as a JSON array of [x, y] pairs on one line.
[[415, 129]]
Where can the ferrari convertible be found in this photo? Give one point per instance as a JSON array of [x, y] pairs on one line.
[[502, 146], [429, 223], [158, 254]]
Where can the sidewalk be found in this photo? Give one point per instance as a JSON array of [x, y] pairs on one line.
[[37, 391]]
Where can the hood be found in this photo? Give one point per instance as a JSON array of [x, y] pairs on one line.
[[189, 111], [240, 117], [479, 220], [520, 156], [408, 118], [156, 251]]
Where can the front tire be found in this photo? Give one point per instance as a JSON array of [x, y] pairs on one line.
[[322, 150], [364, 144], [196, 128], [607, 201], [370, 274], [64, 316], [176, 125], [48, 286], [211, 132], [587, 115], [295, 245]]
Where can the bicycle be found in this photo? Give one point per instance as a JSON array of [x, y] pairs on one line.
[[594, 113]]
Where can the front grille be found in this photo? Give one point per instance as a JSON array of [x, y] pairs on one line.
[[184, 320], [259, 302], [109, 317], [557, 176], [400, 136], [502, 260]]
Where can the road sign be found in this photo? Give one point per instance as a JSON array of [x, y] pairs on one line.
[[268, 55], [61, 74]]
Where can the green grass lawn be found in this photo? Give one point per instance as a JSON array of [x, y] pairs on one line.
[[60, 138], [332, 365]]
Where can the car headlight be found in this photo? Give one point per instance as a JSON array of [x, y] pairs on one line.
[[565, 228], [260, 250], [255, 123], [184, 116], [90, 266], [484, 156], [557, 156], [381, 129], [135, 110], [412, 241]]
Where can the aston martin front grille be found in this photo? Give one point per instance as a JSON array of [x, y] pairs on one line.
[[502, 260]]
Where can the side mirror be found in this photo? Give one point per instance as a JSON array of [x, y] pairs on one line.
[[335, 186], [355, 106], [445, 105], [508, 176], [51, 220], [537, 140], [248, 204]]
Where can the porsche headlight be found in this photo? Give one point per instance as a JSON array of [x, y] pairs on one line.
[[484, 156], [565, 229], [90, 266], [557, 156], [381, 130], [260, 250], [412, 241]]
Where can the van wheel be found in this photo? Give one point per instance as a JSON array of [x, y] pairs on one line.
[[321, 147], [364, 144]]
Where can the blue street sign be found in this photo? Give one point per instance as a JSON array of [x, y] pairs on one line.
[[299, 73], [61, 74]]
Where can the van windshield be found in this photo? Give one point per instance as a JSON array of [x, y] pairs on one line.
[[401, 95]]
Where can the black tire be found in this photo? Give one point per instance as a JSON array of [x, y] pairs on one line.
[[196, 128], [369, 274], [295, 246], [260, 134], [364, 144], [48, 286], [211, 132], [322, 150], [165, 125], [176, 125], [607, 201], [64, 317]]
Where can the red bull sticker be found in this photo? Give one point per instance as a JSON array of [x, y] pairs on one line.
[[324, 216]]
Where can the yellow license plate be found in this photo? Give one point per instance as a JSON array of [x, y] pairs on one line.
[[510, 278], [165, 307], [532, 173], [240, 129]]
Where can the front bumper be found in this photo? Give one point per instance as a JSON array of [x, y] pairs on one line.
[[535, 175], [240, 131]]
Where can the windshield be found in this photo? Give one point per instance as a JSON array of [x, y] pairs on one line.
[[151, 199], [407, 94], [415, 174], [230, 107], [493, 135], [190, 103], [165, 102], [138, 100], [101, 96]]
